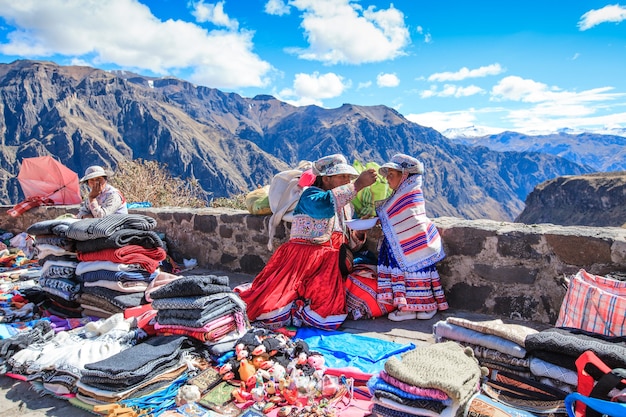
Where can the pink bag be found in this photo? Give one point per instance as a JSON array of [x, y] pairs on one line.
[[595, 304]]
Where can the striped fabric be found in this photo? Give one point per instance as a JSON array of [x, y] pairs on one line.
[[414, 239], [86, 229], [595, 304]]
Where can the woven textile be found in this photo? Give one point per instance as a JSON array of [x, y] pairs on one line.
[[562, 347], [446, 366], [414, 239], [595, 304], [120, 238], [148, 259], [54, 226], [514, 332], [191, 286], [86, 229], [463, 334]]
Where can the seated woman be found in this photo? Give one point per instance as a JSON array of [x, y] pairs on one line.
[[302, 283], [103, 198], [411, 245]]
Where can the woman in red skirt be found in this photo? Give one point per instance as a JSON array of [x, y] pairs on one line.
[[301, 284]]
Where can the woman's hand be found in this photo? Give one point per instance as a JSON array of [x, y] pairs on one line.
[[367, 178], [96, 188]]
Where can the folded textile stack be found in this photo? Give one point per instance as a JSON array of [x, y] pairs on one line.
[[54, 364], [516, 379], [437, 379], [57, 255], [137, 371], [119, 256], [200, 306]]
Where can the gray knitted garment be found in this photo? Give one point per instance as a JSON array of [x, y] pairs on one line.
[[446, 366], [86, 229]]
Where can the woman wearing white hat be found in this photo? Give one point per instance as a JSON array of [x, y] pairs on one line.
[[411, 245], [302, 283], [103, 198]]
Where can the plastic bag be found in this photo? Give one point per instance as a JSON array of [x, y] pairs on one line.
[[257, 201], [364, 202]]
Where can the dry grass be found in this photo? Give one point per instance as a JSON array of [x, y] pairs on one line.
[[150, 181], [235, 202]]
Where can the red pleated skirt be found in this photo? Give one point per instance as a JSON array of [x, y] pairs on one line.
[[299, 270]]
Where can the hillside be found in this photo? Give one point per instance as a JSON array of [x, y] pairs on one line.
[[601, 152], [591, 200], [230, 144]]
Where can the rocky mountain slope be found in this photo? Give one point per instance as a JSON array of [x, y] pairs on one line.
[[592, 200], [230, 144], [602, 152]]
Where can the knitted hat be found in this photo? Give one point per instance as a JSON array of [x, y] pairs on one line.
[[334, 165], [94, 172], [402, 163]]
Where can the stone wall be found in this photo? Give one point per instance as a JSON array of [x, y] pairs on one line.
[[511, 270]]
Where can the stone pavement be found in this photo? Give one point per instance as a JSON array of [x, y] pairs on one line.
[[17, 399]]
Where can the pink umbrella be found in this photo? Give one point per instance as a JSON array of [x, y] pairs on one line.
[[45, 177]]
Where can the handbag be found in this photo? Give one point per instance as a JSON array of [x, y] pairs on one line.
[[595, 381]]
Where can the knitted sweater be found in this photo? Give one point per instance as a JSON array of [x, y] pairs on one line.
[[446, 366]]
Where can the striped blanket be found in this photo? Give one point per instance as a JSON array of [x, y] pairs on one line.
[[413, 237]]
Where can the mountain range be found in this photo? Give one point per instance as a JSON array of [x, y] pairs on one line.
[[231, 144]]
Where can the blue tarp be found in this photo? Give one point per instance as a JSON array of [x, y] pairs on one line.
[[343, 350]]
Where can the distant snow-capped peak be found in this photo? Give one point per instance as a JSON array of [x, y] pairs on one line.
[[470, 132]]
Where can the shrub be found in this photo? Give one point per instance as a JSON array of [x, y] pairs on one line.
[[150, 181], [235, 202]]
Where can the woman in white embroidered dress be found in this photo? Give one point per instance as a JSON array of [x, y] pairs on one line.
[[301, 283], [411, 245]]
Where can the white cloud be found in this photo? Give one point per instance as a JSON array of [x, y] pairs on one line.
[[365, 84], [313, 88], [441, 121], [125, 33], [464, 73], [387, 80], [515, 88], [276, 7], [342, 32], [451, 90], [212, 13], [611, 13]]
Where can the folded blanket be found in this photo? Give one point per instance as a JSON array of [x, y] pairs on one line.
[[120, 238], [443, 329], [54, 226], [116, 276], [192, 285], [149, 259], [91, 266], [563, 346], [86, 229]]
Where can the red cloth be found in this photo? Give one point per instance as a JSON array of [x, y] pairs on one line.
[[299, 270], [148, 259], [27, 204], [361, 291]]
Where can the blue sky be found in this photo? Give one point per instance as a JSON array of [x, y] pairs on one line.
[[528, 66]]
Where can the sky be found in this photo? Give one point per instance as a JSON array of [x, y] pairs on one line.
[[527, 66]]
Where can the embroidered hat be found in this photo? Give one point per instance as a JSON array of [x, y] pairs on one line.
[[94, 171], [333, 165], [403, 163]]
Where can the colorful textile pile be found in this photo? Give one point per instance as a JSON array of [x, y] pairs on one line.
[[437, 379], [202, 307], [515, 379]]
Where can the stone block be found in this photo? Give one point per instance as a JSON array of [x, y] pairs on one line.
[[205, 223], [464, 240], [518, 245], [468, 297], [506, 274], [582, 251]]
